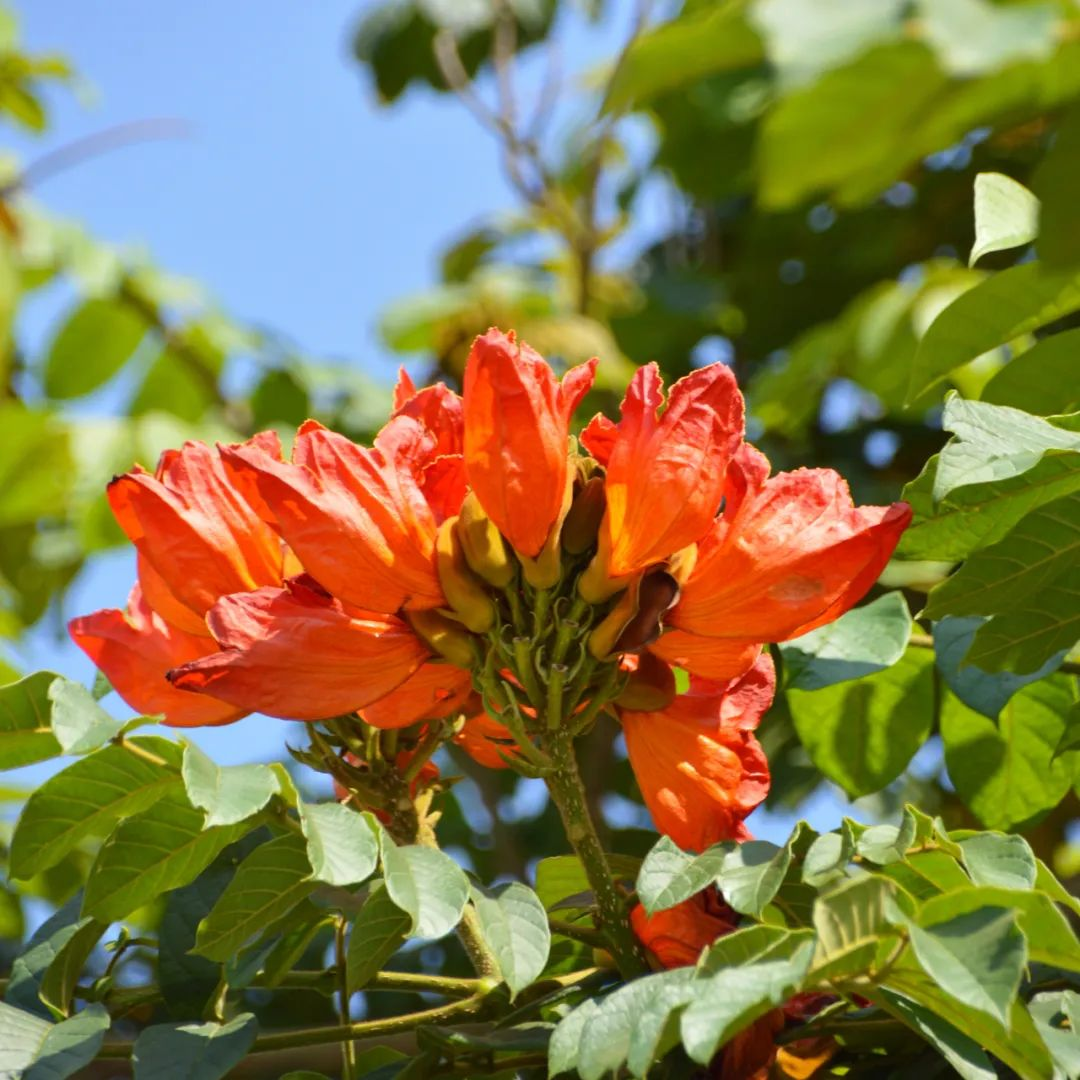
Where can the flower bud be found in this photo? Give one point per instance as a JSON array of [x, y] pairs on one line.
[[482, 543], [637, 618], [650, 687], [463, 592], [445, 637], [582, 525], [596, 584], [602, 640]]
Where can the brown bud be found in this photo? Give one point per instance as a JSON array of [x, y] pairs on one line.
[[657, 594], [445, 637], [650, 687], [462, 589], [582, 525], [483, 545]]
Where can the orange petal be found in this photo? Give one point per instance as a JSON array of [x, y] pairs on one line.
[[665, 473], [678, 935], [355, 518], [430, 693], [796, 554], [135, 649], [485, 740], [437, 408], [709, 657], [298, 654], [751, 1053], [700, 769], [517, 422], [195, 528]]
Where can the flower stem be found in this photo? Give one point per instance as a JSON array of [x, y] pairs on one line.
[[348, 1051], [567, 792]]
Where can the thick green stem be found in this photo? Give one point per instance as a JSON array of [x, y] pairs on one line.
[[568, 794]]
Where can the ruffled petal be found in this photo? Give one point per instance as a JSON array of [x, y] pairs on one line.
[[517, 423], [700, 769], [430, 693], [195, 528], [665, 471], [437, 408], [135, 649], [796, 554], [356, 518], [300, 655]]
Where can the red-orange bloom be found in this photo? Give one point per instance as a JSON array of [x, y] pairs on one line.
[[700, 769], [486, 740], [517, 423], [665, 470], [430, 693], [437, 408], [788, 554], [678, 935], [301, 655], [197, 537], [135, 648], [356, 518]]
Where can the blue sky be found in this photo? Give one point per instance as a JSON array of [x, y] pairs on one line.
[[296, 200]]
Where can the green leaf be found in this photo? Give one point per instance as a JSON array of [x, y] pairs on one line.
[[427, 884], [565, 1039], [669, 876], [1055, 182], [160, 849], [974, 516], [961, 1052], [486, 1038], [1046, 882], [29, 967], [561, 876], [62, 975], [36, 469], [1006, 773], [1006, 215], [71, 1045], [1002, 308], [229, 794], [865, 640], [25, 733], [752, 873], [91, 346], [994, 443], [193, 1051], [732, 999], [21, 1037], [977, 957], [828, 857], [985, 692], [79, 723], [992, 858], [1057, 1018], [862, 734], [88, 798], [851, 924], [380, 929], [342, 847], [1070, 737], [1041, 380], [884, 844], [515, 926], [271, 880]]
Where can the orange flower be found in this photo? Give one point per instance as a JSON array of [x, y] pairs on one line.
[[430, 693], [299, 654], [486, 741], [665, 471], [135, 648], [517, 423], [198, 539], [677, 936], [788, 554], [700, 769], [437, 408]]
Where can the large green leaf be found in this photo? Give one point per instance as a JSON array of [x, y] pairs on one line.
[[752, 872], [229, 794], [1055, 182], [428, 884], [560, 877], [36, 466], [668, 875], [515, 926], [851, 924], [1057, 1018], [863, 641], [995, 443], [1006, 306], [88, 798], [91, 346], [21, 1037], [1041, 380], [162, 848], [1006, 772], [272, 880], [861, 734], [79, 723], [29, 967], [71, 1045], [62, 975], [193, 1051], [380, 929], [993, 858], [565, 1041], [342, 847], [25, 733], [1006, 215]]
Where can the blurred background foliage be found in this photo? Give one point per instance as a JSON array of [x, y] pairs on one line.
[[813, 163]]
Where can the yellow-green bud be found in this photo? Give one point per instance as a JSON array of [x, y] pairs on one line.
[[445, 637], [483, 545], [463, 591]]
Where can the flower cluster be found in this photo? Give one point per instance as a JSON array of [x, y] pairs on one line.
[[479, 563]]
